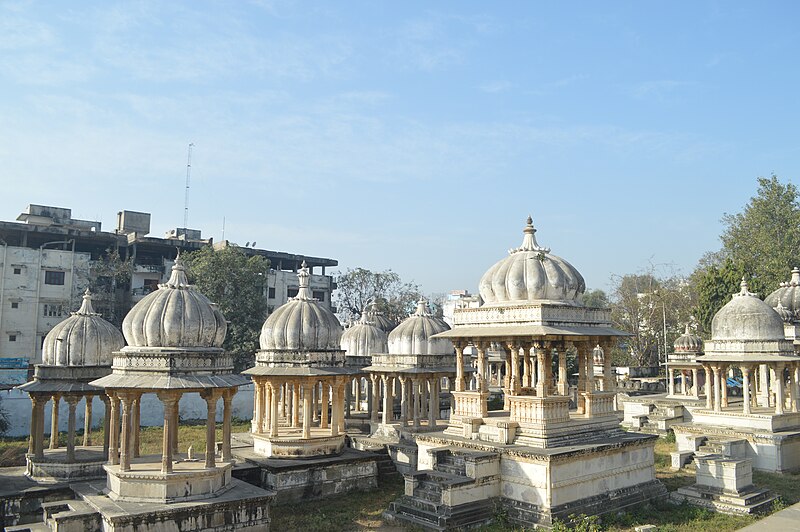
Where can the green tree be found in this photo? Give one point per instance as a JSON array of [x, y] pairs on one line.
[[356, 288], [595, 298], [109, 282], [761, 243], [236, 283]]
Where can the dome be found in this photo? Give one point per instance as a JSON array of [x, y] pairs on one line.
[[786, 315], [364, 338], [413, 335], [83, 339], [746, 317], [302, 323], [530, 273], [175, 315], [688, 343], [598, 356], [787, 296]]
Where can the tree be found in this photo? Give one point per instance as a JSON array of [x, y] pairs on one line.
[[356, 288], [761, 243], [595, 298], [235, 282], [108, 275]]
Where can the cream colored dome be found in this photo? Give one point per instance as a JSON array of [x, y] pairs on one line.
[[413, 335], [746, 317], [83, 339], [787, 296], [688, 342], [175, 315], [302, 323], [364, 338], [531, 273]]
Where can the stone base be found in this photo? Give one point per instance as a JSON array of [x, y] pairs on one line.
[[295, 447], [749, 501], [53, 467], [242, 507], [313, 478], [146, 483]]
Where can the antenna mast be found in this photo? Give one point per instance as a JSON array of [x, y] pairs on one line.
[[186, 197]]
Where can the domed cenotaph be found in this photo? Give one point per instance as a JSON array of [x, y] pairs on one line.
[[75, 352], [547, 454]]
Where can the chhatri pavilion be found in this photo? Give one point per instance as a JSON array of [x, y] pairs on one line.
[[539, 457], [74, 353]]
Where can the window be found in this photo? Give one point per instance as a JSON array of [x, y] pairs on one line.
[[291, 292], [271, 293], [12, 337], [319, 294], [53, 310], [150, 285], [53, 277], [14, 304], [17, 271]]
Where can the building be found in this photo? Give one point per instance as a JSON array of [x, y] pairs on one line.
[[48, 259]]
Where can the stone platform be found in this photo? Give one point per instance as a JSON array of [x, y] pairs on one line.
[[146, 483], [296, 479], [21, 498], [53, 466]]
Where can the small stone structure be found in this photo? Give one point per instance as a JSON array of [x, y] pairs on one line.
[[538, 458], [359, 342], [75, 352], [748, 336]]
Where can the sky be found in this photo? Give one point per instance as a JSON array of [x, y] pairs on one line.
[[416, 136]]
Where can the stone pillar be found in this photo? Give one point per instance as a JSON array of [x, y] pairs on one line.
[[433, 402], [72, 402], [54, 422], [34, 423], [266, 408], [113, 441], [724, 385], [38, 434], [376, 393], [403, 400], [590, 380], [541, 379], [340, 386], [211, 397], [324, 398], [258, 414], [709, 387], [515, 382], [459, 367], [335, 409], [416, 392], [387, 399], [684, 388], [87, 421], [763, 386], [745, 389], [348, 397], [306, 410], [273, 417], [136, 417], [670, 381], [717, 392], [609, 382], [227, 401], [170, 401], [358, 394], [779, 388], [295, 404], [695, 384], [174, 421], [106, 422], [482, 384], [792, 390], [125, 442], [563, 386]]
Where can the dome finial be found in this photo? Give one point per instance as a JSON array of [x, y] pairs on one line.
[[795, 276], [86, 306], [744, 291], [422, 308], [529, 240], [687, 329], [177, 278], [303, 292]]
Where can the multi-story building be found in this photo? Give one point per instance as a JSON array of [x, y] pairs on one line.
[[47, 260]]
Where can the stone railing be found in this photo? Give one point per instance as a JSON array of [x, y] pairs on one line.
[[470, 404], [599, 403], [172, 360], [530, 410]]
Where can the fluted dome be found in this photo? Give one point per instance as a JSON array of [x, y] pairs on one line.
[[83, 339], [688, 342], [364, 338], [746, 317], [175, 315], [787, 297], [302, 323], [413, 335], [531, 273]]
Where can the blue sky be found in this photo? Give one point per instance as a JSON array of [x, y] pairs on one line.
[[415, 136]]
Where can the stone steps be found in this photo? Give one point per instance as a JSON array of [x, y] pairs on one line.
[[440, 517], [754, 501]]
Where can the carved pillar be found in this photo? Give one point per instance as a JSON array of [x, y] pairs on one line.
[[403, 400], [515, 382], [376, 394], [170, 402], [482, 384], [35, 400], [307, 410], [295, 404], [695, 384], [684, 388], [72, 403], [211, 397], [415, 384], [136, 416], [335, 408], [87, 421], [340, 386], [38, 444], [175, 419], [433, 402], [113, 442], [106, 422], [348, 397], [745, 389], [792, 391], [54, 422], [779, 388], [459, 366], [258, 415], [717, 392], [265, 407], [125, 442], [724, 385], [273, 418], [709, 387], [387, 399], [324, 398], [227, 402], [590, 380], [670, 381], [358, 394], [563, 386]]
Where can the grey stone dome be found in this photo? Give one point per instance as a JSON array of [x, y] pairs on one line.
[[302, 323], [688, 342], [531, 273], [413, 335], [175, 315], [746, 317], [364, 338], [787, 296], [83, 339]]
